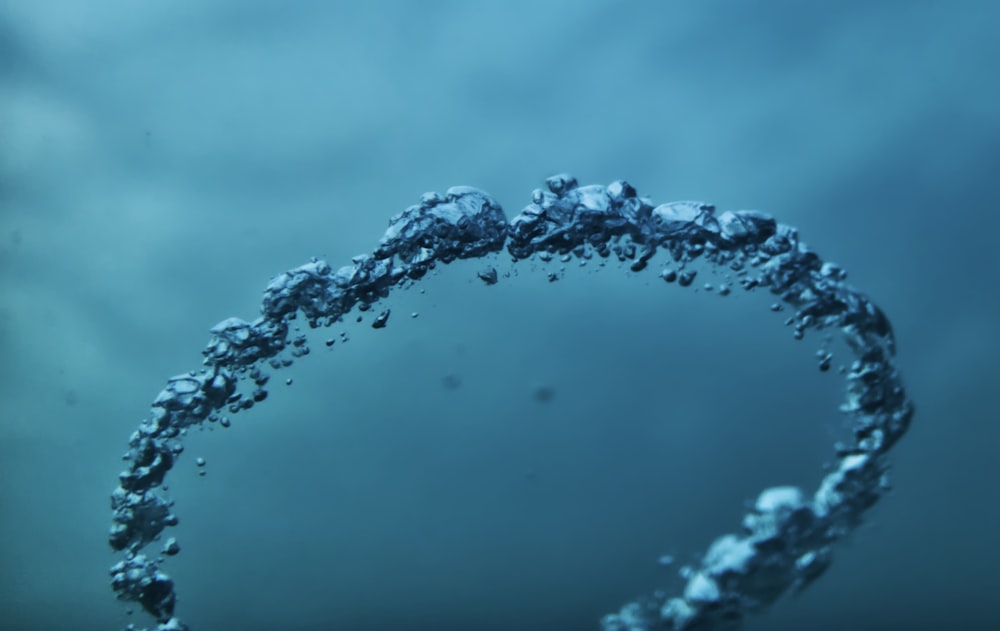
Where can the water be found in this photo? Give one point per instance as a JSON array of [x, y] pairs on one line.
[[159, 165]]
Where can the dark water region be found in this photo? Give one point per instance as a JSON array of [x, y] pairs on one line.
[[517, 455]]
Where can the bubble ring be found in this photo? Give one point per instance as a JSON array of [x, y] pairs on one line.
[[786, 539]]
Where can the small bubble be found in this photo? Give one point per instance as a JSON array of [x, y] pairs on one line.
[[171, 547], [381, 320], [488, 275]]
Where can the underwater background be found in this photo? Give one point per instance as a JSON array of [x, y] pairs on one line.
[[516, 456]]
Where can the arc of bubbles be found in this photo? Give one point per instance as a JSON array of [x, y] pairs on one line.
[[785, 541]]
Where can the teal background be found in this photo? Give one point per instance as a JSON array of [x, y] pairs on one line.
[[160, 161]]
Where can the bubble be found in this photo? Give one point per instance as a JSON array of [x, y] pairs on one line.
[[381, 320]]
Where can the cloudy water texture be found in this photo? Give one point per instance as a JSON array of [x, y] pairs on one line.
[[517, 456]]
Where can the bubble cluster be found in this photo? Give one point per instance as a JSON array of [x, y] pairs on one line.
[[785, 541]]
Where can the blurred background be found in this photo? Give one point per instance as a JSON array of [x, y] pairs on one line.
[[516, 456]]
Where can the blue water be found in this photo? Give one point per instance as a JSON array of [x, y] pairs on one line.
[[516, 456]]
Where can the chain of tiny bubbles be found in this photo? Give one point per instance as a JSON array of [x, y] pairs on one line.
[[785, 540]]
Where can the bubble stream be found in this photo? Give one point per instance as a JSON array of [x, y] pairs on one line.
[[786, 540]]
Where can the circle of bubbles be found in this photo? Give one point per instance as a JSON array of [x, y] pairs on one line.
[[785, 541]]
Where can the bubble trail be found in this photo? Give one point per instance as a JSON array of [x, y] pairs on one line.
[[785, 542]]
